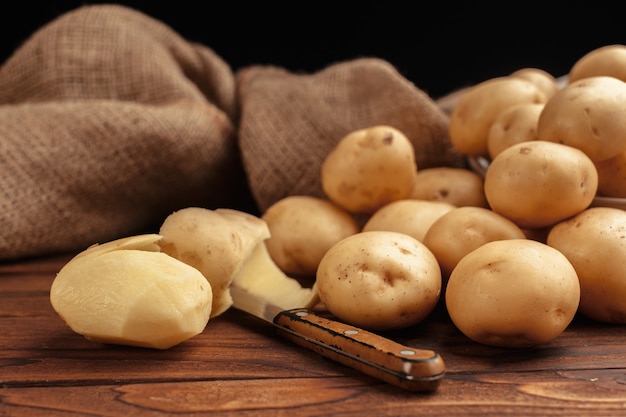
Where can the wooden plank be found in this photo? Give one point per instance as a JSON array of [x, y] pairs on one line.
[[529, 394], [240, 365]]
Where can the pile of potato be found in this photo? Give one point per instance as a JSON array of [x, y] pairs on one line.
[[515, 252]]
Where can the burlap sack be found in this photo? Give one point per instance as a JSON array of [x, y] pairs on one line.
[[289, 122], [109, 121]]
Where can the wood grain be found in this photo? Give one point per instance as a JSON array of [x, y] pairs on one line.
[[239, 366]]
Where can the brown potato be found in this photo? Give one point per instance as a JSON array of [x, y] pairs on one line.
[[612, 176], [514, 125], [369, 168], [477, 109], [379, 280], [456, 186], [536, 184], [196, 236], [302, 229], [587, 114], [541, 78], [460, 231], [607, 60], [412, 217], [593, 241], [513, 293]]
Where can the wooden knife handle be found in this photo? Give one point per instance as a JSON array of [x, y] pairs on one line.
[[406, 367]]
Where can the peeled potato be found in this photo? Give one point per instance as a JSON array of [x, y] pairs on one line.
[[302, 229], [369, 168], [456, 186], [129, 293], [513, 293], [477, 109], [607, 60], [411, 217], [587, 114], [536, 184], [514, 125]]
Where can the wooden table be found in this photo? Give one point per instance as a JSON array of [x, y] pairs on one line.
[[239, 366]]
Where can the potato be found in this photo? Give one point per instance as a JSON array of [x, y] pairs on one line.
[[612, 176], [369, 168], [513, 293], [127, 292], [514, 125], [216, 242], [478, 108], [411, 217], [379, 280], [536, 184], [609, 60], [587, 114], [456, 186], [593, 241], [460, 231], [542, 79], [302, 229], [228, 247]]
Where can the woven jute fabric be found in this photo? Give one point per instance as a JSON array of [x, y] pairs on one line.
[[110, 121]]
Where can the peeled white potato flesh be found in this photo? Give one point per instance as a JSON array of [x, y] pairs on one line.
[[115, 293], [260, 276]]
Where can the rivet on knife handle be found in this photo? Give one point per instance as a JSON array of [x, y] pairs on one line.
[[400, 365]]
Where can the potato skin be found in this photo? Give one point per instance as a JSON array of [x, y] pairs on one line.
[[588, 114], [593, 241], [460, 231], [607, 60], [537, 183], [541, 78], [411, 217], [476, 110], [369, 168], [196, 236], [456, 186], [302, 229], [514, 125], [513, 293], [379, 280], [612, 176]]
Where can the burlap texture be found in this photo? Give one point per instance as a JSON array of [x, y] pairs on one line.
[[109, 121], [290, 122]]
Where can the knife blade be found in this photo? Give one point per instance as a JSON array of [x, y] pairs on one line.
[[406, 367]]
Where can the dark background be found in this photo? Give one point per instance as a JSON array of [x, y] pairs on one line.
[[440, 46]]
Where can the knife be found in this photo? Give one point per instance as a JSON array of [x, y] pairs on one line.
[[402, 366]]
